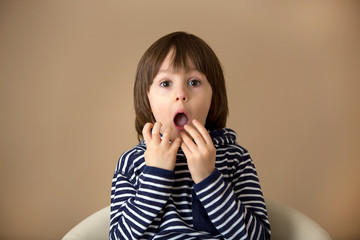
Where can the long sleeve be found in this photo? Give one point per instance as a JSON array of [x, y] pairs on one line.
[[134, 211], [237, 208], [153, 203]]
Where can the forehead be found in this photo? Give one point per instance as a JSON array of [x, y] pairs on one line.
[[174, 63]]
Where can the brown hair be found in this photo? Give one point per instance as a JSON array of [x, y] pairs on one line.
[[186, 47]]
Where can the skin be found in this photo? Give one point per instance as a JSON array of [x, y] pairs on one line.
[[188, 92], [200, 153]]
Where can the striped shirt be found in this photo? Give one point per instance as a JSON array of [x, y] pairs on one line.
[[154, 203]]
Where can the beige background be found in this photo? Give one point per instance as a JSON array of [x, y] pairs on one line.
[[66, 78]]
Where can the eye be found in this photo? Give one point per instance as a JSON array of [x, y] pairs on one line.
[[194, 82], [165, 84]]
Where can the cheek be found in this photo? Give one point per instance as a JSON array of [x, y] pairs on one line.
[[202, 111], [206, 108], [153, 102], [207, 99], [159, 111]]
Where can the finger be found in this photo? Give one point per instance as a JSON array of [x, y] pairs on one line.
[[190, 145], [175, 144], [185, 149], [202, 130], [156, 132], [146, 132], [166, 135], [195, 135]]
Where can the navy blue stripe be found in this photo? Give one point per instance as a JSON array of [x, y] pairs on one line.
[[153, 203]]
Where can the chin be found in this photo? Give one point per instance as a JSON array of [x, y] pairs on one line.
[[174, 134]]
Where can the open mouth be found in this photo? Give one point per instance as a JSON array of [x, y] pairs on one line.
[[180, 120]]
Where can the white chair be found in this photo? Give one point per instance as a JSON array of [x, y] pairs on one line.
[[94, 227], [286, 224], [289, 224]]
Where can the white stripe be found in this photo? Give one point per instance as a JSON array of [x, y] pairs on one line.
[[231, 218], [152, 191], [148, 206], [217, 199], [141, 217], [123, 189], [235, 224], [259, 233], [189, 179], [252, 202], [229, 163], [223, 213], [247, 188], [126, 226], [128, 195], [249, 174], [181, 195], [209, 187], [146, 175], [214, 192], [126, 160], [182, 187], [247, 181], [122, 232], [249, 195], [134, 221], [151, 199], [147, 184]]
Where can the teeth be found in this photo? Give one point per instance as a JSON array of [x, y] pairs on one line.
[[181, 119]]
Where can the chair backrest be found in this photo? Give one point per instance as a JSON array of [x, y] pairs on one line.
[[94, 227], [286, 224]]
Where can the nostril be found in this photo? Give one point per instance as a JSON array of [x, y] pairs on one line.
[[183, 99]]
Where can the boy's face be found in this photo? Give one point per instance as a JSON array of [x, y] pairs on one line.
[[176, 98]]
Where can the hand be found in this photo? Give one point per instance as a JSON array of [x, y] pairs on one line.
[[159, 152], [200, 153]]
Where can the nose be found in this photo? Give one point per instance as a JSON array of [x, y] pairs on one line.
[[181, 94], [181, 99]]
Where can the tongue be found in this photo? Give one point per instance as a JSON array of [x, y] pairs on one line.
[[181, 120]]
